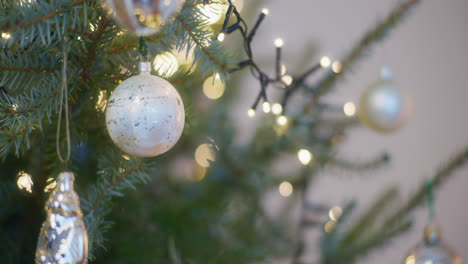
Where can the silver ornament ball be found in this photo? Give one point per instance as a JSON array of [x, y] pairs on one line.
[[432, 250], [384, 106], [145, 115], [143, 17]]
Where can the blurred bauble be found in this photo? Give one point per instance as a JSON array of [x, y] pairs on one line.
[[432, 250], [384, 106], [145, 116], [143, 17]]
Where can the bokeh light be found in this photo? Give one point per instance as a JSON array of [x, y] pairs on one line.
[[285, 189], [165, 64], [213, 87], [349, 109], [24, 181], [325, 62], [304, 156], [204, 155]]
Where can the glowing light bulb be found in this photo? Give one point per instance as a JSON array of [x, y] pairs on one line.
[[335, 213], [213, 87], [304, 156], [282, 120], [251, 112], [287, 79], [6, 35], [265, 11], [221, 37], [276, 109], [266, 107], [279, 42], [329, 226], [325, 62], [204, 155], [125, 157], [285, 189], [24, 181], [349, 109], [336, 67], [166, 64], [411, 259]]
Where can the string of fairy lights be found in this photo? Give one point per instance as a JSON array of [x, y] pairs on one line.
[[168, 63]]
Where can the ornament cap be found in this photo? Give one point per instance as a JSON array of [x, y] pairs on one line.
[[432, 234], [66, 180], [145, 67], [386, 74]]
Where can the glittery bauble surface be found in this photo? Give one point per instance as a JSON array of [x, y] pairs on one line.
[[432, 250], [63, 238], [384, 107], [143, 17], [145, 115]]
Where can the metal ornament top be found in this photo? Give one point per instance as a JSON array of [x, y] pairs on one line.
[[63, 238]]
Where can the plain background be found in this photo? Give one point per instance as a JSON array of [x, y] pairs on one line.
[[428, 54]]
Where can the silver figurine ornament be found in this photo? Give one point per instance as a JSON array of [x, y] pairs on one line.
[[63, 238]]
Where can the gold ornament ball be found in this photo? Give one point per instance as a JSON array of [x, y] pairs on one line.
[[143, 17], [432, 250], [384, 106]]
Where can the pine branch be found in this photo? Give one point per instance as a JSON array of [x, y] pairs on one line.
[[440, 177], [7, 27], [372, 37], [116, 175], [360, 166]]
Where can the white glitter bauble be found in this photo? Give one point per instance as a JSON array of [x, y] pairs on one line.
[[145, 115], [143, 17], [384, 106]]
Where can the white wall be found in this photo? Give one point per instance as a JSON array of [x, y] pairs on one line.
[[428, 54]]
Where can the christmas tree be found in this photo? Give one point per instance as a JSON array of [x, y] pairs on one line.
[[206, 198]]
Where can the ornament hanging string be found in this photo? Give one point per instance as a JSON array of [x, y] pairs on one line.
[[64, 106], [143, 50], [430, 199]]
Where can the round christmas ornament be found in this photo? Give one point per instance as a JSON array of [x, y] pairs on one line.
[[384, 106], [143, 17], [432, 250], [145, 116]]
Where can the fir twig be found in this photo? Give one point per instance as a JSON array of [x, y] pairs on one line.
[[23, 24], [376, 34]]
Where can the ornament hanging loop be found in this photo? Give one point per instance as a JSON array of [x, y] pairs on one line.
[[143, 50], [64, 107]]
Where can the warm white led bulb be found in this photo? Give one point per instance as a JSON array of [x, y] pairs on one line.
[[266, 107], [265, 11], [285, 189], [304, 156], [336, 67], [287, 79], [251, 112], [276, 109], [279, 42], [221, 37], [282, 120], [325, 62], [349, 109]]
